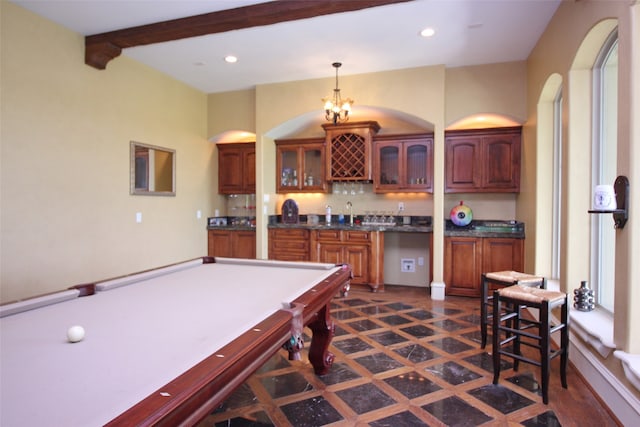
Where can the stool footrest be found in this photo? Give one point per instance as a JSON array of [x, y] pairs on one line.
[[512, 330], [520, 358], [520, 332], [556, 328]]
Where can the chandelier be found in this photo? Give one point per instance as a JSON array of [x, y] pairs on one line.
[[336, 110]]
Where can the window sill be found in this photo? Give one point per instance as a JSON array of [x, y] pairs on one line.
[[630, 365], [595, 328]]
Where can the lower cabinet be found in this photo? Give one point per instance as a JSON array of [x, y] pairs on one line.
[[289, 244], [466, 258], [232, 243], [360, 249]]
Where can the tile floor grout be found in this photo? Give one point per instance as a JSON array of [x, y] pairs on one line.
[[394, 369]]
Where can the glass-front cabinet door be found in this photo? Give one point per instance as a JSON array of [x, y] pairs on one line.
[[418, 173], [313, 167], [388, 167], [403, 163], [288, 169], [300, 166]]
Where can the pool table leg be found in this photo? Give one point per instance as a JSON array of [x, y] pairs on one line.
[[323, 329]]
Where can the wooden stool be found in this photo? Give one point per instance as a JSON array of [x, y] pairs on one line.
[[515, 327], [500, 279]]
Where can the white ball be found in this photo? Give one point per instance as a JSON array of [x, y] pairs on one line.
[[75, 333]]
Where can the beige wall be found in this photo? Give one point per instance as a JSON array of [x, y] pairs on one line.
[[401, 101], [556, 54], [563, 57], [67, 216]]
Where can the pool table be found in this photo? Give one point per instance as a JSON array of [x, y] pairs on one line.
[[162, 347]]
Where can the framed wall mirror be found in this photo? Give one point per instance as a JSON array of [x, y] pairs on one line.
[[153, 170]]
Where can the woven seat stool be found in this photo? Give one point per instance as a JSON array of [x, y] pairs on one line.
[[501, 279], [509, 328]]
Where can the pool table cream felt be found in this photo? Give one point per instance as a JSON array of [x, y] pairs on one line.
[[138, 338]]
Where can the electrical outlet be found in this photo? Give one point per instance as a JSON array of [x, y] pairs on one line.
[[400, 206], [408, 265]]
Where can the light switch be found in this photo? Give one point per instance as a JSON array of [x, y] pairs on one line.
[[138, 217], [198, 214]]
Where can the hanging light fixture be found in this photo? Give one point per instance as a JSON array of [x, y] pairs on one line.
[[336, 110]]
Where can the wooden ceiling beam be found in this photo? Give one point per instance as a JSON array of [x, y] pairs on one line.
[[102, 48]]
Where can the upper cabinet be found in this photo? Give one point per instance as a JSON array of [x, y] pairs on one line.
[[349, 150], [300, 165], [236, 168], [403, 163], [483, 161]]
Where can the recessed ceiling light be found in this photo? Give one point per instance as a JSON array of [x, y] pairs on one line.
[[231, 59], [427, 32]]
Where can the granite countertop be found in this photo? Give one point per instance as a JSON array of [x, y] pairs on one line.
[[486, 228], [403, 224], [368, 227], [418, 224]]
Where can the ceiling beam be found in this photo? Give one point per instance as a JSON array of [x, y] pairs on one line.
[[102, 48]]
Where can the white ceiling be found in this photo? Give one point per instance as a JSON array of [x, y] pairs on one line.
[[468, 32]]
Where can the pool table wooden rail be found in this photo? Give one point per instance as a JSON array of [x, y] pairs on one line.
[[197, 392]]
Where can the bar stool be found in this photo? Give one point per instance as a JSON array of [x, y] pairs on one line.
[[512, 299], [501, 279]]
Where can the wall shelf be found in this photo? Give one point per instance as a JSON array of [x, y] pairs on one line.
[[620, 215]]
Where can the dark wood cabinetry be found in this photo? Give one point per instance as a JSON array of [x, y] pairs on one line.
[[361, 249], [343, 247], [486, 160], [349, 150], [403, 163], [289, 244], [232, 243], [237, 168], [462, 265], [300, 166], [466, 258]]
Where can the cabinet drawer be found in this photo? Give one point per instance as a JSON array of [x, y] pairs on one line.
[[289, 256], [332, 235], [290, 233], [291, 245], [356, 236]]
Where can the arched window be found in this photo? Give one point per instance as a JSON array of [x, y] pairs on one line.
[[603, 169]]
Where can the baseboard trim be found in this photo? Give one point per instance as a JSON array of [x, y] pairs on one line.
[[622, 403]]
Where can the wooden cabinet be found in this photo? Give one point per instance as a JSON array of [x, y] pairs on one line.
[[361, 249], [500, 254], [300, 166], [483, 161], [462, 265], [466, 258], [349, 150], [289, 244], [403, 163], [236, 168], [232, 243]]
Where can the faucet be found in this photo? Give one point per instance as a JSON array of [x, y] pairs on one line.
[[350, 207]]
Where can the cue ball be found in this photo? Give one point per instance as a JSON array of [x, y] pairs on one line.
[[75, 333]]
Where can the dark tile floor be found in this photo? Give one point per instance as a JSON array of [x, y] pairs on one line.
[[397, 364]]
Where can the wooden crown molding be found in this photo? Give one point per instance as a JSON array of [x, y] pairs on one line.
[[102, 48]]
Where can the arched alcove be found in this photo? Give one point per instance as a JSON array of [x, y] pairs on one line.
[[233, 136], [484, 121], [548, 155], [309, 124]]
